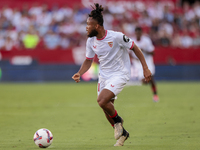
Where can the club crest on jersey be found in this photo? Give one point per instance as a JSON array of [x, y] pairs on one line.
[[126, 39], [110, 44]]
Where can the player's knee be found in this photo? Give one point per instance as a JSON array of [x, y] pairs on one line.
[[101, 102]]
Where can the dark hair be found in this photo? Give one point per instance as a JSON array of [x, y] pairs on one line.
[[138, 29], [96, 13]]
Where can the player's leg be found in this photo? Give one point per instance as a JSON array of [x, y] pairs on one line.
[[100, 87], [104, 102], [110, 120], [112, 88], [108, 117], [154, 89], [153, 86], [125, 135], [152, 82]]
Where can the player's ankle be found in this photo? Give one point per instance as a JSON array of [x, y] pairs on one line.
[[124, 132]]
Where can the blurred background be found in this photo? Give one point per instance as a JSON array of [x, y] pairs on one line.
[[44, 40]]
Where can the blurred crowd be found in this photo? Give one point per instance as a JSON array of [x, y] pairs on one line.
[[41, 26]]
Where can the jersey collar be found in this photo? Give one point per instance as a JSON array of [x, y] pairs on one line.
[[103, 36]]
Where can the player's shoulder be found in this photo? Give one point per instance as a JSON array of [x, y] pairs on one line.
[[118, 36], [90, 39], [146, 38], [114, 33]]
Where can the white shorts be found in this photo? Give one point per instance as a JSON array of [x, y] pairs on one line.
[[114, 84], [138, 70]]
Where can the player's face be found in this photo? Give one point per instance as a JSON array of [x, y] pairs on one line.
[[91, 27], [138, 34]]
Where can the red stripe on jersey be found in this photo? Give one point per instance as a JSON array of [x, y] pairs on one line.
[[89, 58], [132, 45], [98, 87], [103, 37]]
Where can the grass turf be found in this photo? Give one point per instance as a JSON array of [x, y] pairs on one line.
[[71, 113]]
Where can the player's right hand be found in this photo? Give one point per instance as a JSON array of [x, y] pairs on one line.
[[147, 75], [76, 77]]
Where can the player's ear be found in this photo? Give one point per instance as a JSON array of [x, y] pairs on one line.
[[97, 26]]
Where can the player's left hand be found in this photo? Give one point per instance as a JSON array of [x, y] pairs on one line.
[[147, 75]]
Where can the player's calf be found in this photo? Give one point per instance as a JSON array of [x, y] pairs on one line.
[[118, 125]]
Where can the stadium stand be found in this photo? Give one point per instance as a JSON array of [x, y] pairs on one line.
[[166, 22]]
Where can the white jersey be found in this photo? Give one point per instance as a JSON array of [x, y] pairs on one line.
[[112, 54], [145, 44]]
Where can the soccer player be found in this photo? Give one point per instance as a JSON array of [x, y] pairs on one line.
[[112, 51], [145, 44]]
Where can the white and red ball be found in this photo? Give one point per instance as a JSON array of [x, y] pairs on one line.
[[43, 138]]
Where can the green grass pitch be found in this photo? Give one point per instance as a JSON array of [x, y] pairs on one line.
[[71, 113]]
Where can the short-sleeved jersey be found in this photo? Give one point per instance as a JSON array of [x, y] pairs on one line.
[[146, 45], [112, 52]]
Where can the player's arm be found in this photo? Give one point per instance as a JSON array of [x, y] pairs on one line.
[[139, 54], [84, 67]]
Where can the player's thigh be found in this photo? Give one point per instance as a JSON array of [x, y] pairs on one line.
[[116, 84], [101, 85], [105, 96]]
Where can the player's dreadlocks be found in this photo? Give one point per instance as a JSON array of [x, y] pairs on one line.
[[138, 29], [96, 13]]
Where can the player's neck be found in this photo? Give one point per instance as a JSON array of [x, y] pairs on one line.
[[101, 34], [138, 38]]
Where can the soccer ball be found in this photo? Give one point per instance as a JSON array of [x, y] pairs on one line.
[[43, 138]]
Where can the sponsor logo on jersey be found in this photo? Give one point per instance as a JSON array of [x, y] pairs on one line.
[[110, 44], [125, 38], [94, 46], [112, 85]]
